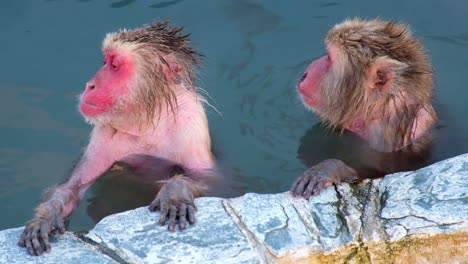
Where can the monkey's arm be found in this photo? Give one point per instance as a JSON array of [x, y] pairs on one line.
[[322, 175], [176, 197], [60, 201]]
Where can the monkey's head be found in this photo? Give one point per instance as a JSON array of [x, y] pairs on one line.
[[142, 69], [372, 70]]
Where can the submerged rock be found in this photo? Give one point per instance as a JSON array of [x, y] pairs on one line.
[[408, 217]]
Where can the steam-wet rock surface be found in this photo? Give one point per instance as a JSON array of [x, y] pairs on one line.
[[66, 248], [408, 217], [430, 200], [137, 237]]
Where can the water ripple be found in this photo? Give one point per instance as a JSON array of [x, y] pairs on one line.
[[121, 4], [165, 4]]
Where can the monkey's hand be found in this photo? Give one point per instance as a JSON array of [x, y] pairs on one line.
[[176, 201], [35, 237], [321, 176]]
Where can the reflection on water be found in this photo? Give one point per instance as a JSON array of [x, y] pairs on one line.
[[318, 144], [252, 20], [122, 3], [164, 4], [329, 4], [255, 53], [118, 191]]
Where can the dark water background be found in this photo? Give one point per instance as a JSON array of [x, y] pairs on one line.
[[255, 52]]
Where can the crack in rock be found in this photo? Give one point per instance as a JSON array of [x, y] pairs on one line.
[[102, 247], [313, 233], [341, 214], [264, 254], [280, 227]]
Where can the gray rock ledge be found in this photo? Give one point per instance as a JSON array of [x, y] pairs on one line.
[[408, 217]]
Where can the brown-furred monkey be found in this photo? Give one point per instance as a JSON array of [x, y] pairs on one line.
[[146, 113], [376, 82]]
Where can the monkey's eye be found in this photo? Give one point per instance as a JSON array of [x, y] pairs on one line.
[[104, 62], [303, 77]]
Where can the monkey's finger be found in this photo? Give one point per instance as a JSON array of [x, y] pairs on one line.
[[29, 247], [191, 214], [314, 182], [155, 205], [321, 185], [22, 241], [309, 189], [163, 216], [46, 243], [352, 178], [301, 185], [60, 225], [44, 235], [182, 216], [37, 245], [172, 218], [34, 241], [294, 185]]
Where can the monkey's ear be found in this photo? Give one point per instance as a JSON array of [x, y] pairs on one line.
[[383, 73], [173, 72]]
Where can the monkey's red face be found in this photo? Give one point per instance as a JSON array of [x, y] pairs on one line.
[[310, 83], [109, 84]]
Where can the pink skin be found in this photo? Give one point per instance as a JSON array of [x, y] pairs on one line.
[[114, 142], [182, 140], [309, 87], [111, 78]]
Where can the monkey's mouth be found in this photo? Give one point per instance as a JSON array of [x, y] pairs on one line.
[[89, 104], [308, 100], [311, 102], [90, 109]]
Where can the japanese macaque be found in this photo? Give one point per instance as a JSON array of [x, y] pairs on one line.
[[146, 113], [376, 82]]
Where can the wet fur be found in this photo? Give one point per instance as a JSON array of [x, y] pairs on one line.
[[379, 85], [360, 43], [157, 40]]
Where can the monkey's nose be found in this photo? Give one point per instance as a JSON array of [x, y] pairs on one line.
[[303, 77], [90, 87]]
